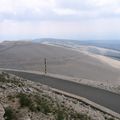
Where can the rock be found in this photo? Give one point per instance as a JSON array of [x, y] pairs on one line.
[[25, 118], [9, 84], [4, 86], [2, 112], [24, 89], [29, 89]]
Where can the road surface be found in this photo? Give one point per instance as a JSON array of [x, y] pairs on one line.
[[105, 98]]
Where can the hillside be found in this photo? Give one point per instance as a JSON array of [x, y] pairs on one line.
[[60, 60], [22, 99], [108, 44]]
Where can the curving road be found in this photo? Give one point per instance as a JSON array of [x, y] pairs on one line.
[[101, 97]]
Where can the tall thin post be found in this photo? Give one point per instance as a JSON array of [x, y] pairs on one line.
[[45, 62]]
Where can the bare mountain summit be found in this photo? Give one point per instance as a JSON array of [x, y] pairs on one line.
[[60, 60]]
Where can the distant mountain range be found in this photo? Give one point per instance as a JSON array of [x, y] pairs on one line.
[[109, 44]]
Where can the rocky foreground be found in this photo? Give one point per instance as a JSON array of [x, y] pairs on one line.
[[22, 99]]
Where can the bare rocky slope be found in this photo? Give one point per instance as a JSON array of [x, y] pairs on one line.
[[63, 61], [22, 99]]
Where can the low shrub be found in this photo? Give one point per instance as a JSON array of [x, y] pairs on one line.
[[9, 114], [25, 100]]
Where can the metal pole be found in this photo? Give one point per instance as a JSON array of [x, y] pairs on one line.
[[45, 62]]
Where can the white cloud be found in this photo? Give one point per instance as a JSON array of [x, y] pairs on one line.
[[50, 17], [65, 11], [22, 5], [60, 7], [105, 6], [52, 27]]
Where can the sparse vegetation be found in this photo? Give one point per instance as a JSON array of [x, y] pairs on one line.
[[45, 105], [25, 101], [5, 78], [2, 78], [60, 115], [37, 102], [110, 119], [9, 114]]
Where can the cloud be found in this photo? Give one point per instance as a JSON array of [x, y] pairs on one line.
[[65, 11], [84, 28], [54, 9], [22, 5], [84, 18]]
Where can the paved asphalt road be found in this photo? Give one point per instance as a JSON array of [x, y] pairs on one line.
[[101, 97]]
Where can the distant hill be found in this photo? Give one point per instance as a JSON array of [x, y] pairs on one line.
[[115, 45], [109, 44]]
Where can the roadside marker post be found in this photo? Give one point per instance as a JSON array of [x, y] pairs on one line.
[[45, 62]]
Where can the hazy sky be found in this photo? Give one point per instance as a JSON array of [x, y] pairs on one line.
[[73, 19]]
